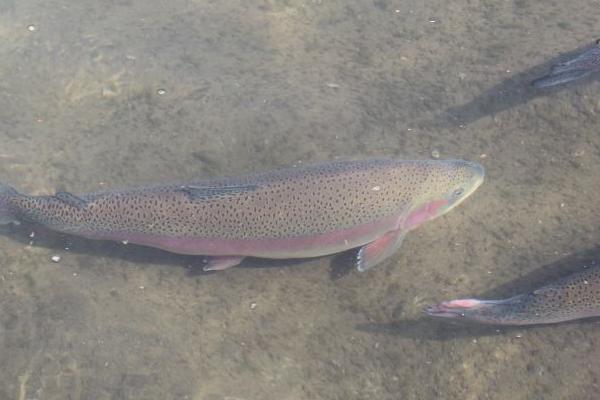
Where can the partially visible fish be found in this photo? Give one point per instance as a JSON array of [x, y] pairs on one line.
[[517, 89], [572, 297], [576, 67], [290, 213]]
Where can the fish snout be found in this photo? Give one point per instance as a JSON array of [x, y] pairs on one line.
[[467, 178], [471, 176], [476, 176], [477, 171]]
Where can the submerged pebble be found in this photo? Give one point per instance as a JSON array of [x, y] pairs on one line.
[[109, 90]]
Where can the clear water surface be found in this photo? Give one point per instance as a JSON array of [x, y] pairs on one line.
[[101, 94]]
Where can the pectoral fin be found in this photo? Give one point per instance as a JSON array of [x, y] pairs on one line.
[[375, 252]]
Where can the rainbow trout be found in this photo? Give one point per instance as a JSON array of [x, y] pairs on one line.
[[289, 213], [572, 297]]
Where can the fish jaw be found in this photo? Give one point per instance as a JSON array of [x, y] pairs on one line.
[[278, 248], [493, 312], [455, 308]]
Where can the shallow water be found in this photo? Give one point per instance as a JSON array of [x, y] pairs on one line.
[[104, 94]]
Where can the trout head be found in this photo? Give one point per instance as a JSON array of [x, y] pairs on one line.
[[447, 184]]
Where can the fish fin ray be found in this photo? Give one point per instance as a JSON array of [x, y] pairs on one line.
[[378, 250]]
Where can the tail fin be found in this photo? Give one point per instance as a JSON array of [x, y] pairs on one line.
[[6, 216]]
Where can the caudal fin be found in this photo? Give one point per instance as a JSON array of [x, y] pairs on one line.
[[6, 215]]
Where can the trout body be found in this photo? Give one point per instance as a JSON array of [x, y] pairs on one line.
[[288, 213]]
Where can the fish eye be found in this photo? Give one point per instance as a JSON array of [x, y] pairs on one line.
[[458, 192]]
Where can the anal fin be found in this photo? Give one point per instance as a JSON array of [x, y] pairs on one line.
[[378, 250], [219, 263]]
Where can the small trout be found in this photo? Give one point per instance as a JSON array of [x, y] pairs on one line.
[[289, 213], [575, 68], [572, 297]]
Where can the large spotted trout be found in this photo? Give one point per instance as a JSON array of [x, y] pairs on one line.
[[572, 297], [289, 213]]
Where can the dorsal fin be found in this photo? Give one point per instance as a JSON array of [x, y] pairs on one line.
[[70, 199], [6, 190], [206, 192]]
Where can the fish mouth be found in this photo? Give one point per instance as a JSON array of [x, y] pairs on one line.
[[454, 308]]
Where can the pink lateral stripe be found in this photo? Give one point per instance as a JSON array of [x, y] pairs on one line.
[[295, 247]]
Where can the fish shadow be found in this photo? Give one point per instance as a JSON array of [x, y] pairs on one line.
[[341, 264], [39, 236], [514, 91], [448, 329], [445, 330]]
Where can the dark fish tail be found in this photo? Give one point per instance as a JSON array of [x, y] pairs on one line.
[[6, 215]]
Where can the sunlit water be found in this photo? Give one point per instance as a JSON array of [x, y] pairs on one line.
[[108, 94]]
